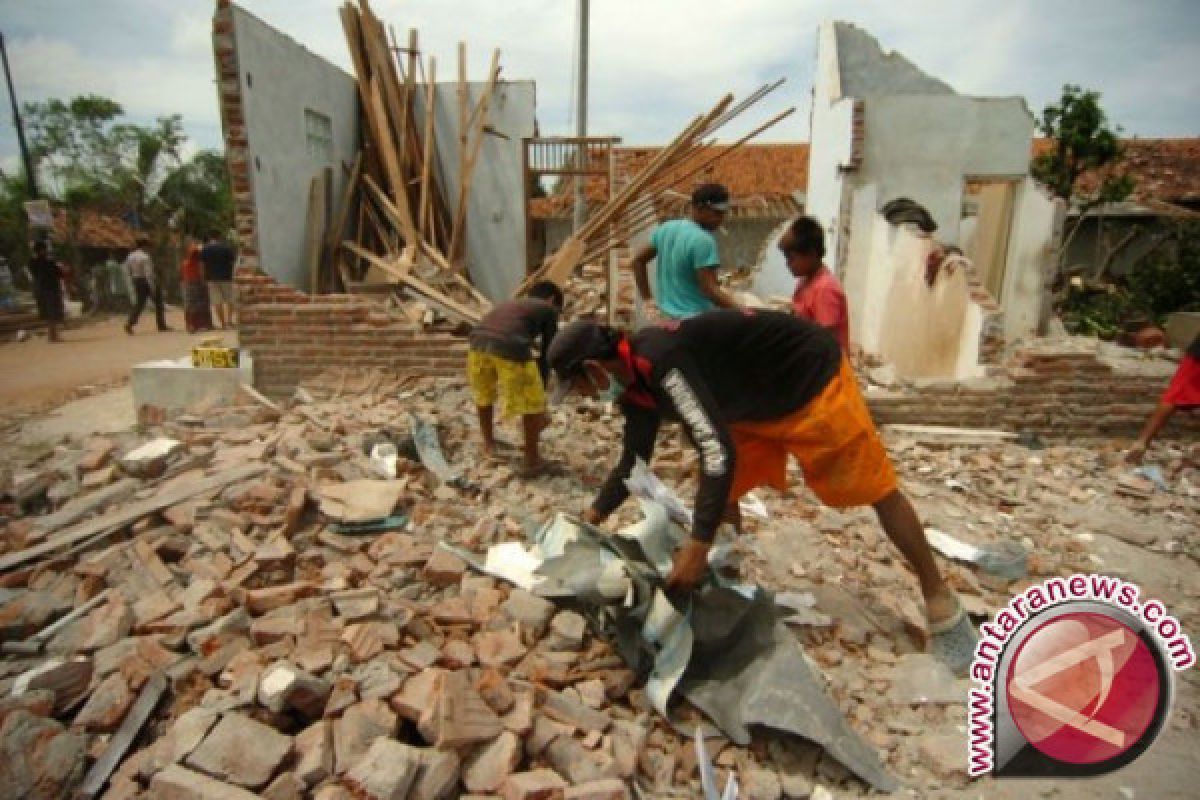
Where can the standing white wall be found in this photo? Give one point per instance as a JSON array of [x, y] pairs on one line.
[[1037, 219], [280, 80]]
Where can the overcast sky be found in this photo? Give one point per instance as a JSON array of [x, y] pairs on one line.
[[654, 63]]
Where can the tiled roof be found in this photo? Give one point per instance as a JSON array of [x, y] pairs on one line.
[[1166, 170], [764, 176], [96, 229], [761, 178]]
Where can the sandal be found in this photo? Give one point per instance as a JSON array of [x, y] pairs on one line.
[[954, 640]]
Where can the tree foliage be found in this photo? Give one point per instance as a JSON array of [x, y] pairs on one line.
[[1082, 142], [89, 158], [1167, 280], [199, 190]]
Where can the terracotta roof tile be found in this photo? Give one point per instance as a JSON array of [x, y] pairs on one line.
[[760, 177], [1167, 170], [96, 230], [764, 176]]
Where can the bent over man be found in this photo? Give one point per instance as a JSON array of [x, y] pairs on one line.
[[752, 388], [501, 362]]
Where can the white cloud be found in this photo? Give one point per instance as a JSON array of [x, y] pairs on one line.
[[654, 63]]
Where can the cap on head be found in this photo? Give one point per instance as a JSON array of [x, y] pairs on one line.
[[711, 195]]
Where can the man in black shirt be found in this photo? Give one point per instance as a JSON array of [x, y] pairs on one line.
[[752, 388], [218, 258], [501, 361]]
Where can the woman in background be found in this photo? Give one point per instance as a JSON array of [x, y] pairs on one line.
[[47, 288], [197, 313]]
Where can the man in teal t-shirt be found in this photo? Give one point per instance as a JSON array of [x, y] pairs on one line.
[[686, 252]]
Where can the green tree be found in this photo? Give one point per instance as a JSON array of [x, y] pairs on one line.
[[14, 226], [1083, 141], [89, 159], [199, 193]]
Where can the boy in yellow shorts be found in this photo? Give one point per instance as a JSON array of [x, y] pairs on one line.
[[501, 363], [751, 389]]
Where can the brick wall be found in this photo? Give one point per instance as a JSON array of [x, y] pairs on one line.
[[233, 123], [1059, 393], [293, 336]]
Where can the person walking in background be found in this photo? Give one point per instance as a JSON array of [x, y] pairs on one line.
[[687, 260], [819, 297], [218, 258], [145, 286], [47, 289], [197, 314]]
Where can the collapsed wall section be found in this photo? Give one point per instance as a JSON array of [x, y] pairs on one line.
[[294, 336], [1057, 390]]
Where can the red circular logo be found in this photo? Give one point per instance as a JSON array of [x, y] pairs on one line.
[[1083, 688]]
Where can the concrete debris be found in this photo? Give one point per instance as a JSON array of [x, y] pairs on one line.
[[386, 771], [253, 644], [241, 750]]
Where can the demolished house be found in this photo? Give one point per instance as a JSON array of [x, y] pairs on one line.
[[883, 130], [333, 594]]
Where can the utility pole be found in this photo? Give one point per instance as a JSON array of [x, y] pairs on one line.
[[581, 117], [30, 178]]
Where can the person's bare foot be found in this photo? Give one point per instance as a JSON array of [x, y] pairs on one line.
[[1133, 456]]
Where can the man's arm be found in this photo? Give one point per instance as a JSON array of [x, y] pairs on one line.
[[641, 429], [698, 410], [641, 274], [707, 278]]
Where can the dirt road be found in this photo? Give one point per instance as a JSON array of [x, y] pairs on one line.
[[36, 374]]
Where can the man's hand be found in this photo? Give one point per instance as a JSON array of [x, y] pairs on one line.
[[691, 562], [592, 517]]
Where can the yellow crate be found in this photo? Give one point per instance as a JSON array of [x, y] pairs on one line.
[[215, 357]]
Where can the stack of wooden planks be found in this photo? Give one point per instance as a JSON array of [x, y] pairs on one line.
[[636, 206], [395, 227]]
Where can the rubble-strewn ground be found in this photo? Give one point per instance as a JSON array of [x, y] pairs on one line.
[[302, 662]]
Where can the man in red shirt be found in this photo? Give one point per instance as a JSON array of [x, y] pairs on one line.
[[819, 296]]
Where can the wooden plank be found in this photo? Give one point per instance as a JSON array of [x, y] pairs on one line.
[[47, 633], [424, 224], [449, 304], [314, 232], [337, 230], [410, 87], [123, 739], [129, 513], [441, 261], [458, 237], [81, 507], [399, 194]]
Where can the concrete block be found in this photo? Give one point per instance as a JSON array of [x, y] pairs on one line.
[[175, 385]]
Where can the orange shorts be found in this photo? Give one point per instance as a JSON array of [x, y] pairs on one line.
[[834, 440]]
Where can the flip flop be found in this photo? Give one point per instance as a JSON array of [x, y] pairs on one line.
[[954, 640]]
